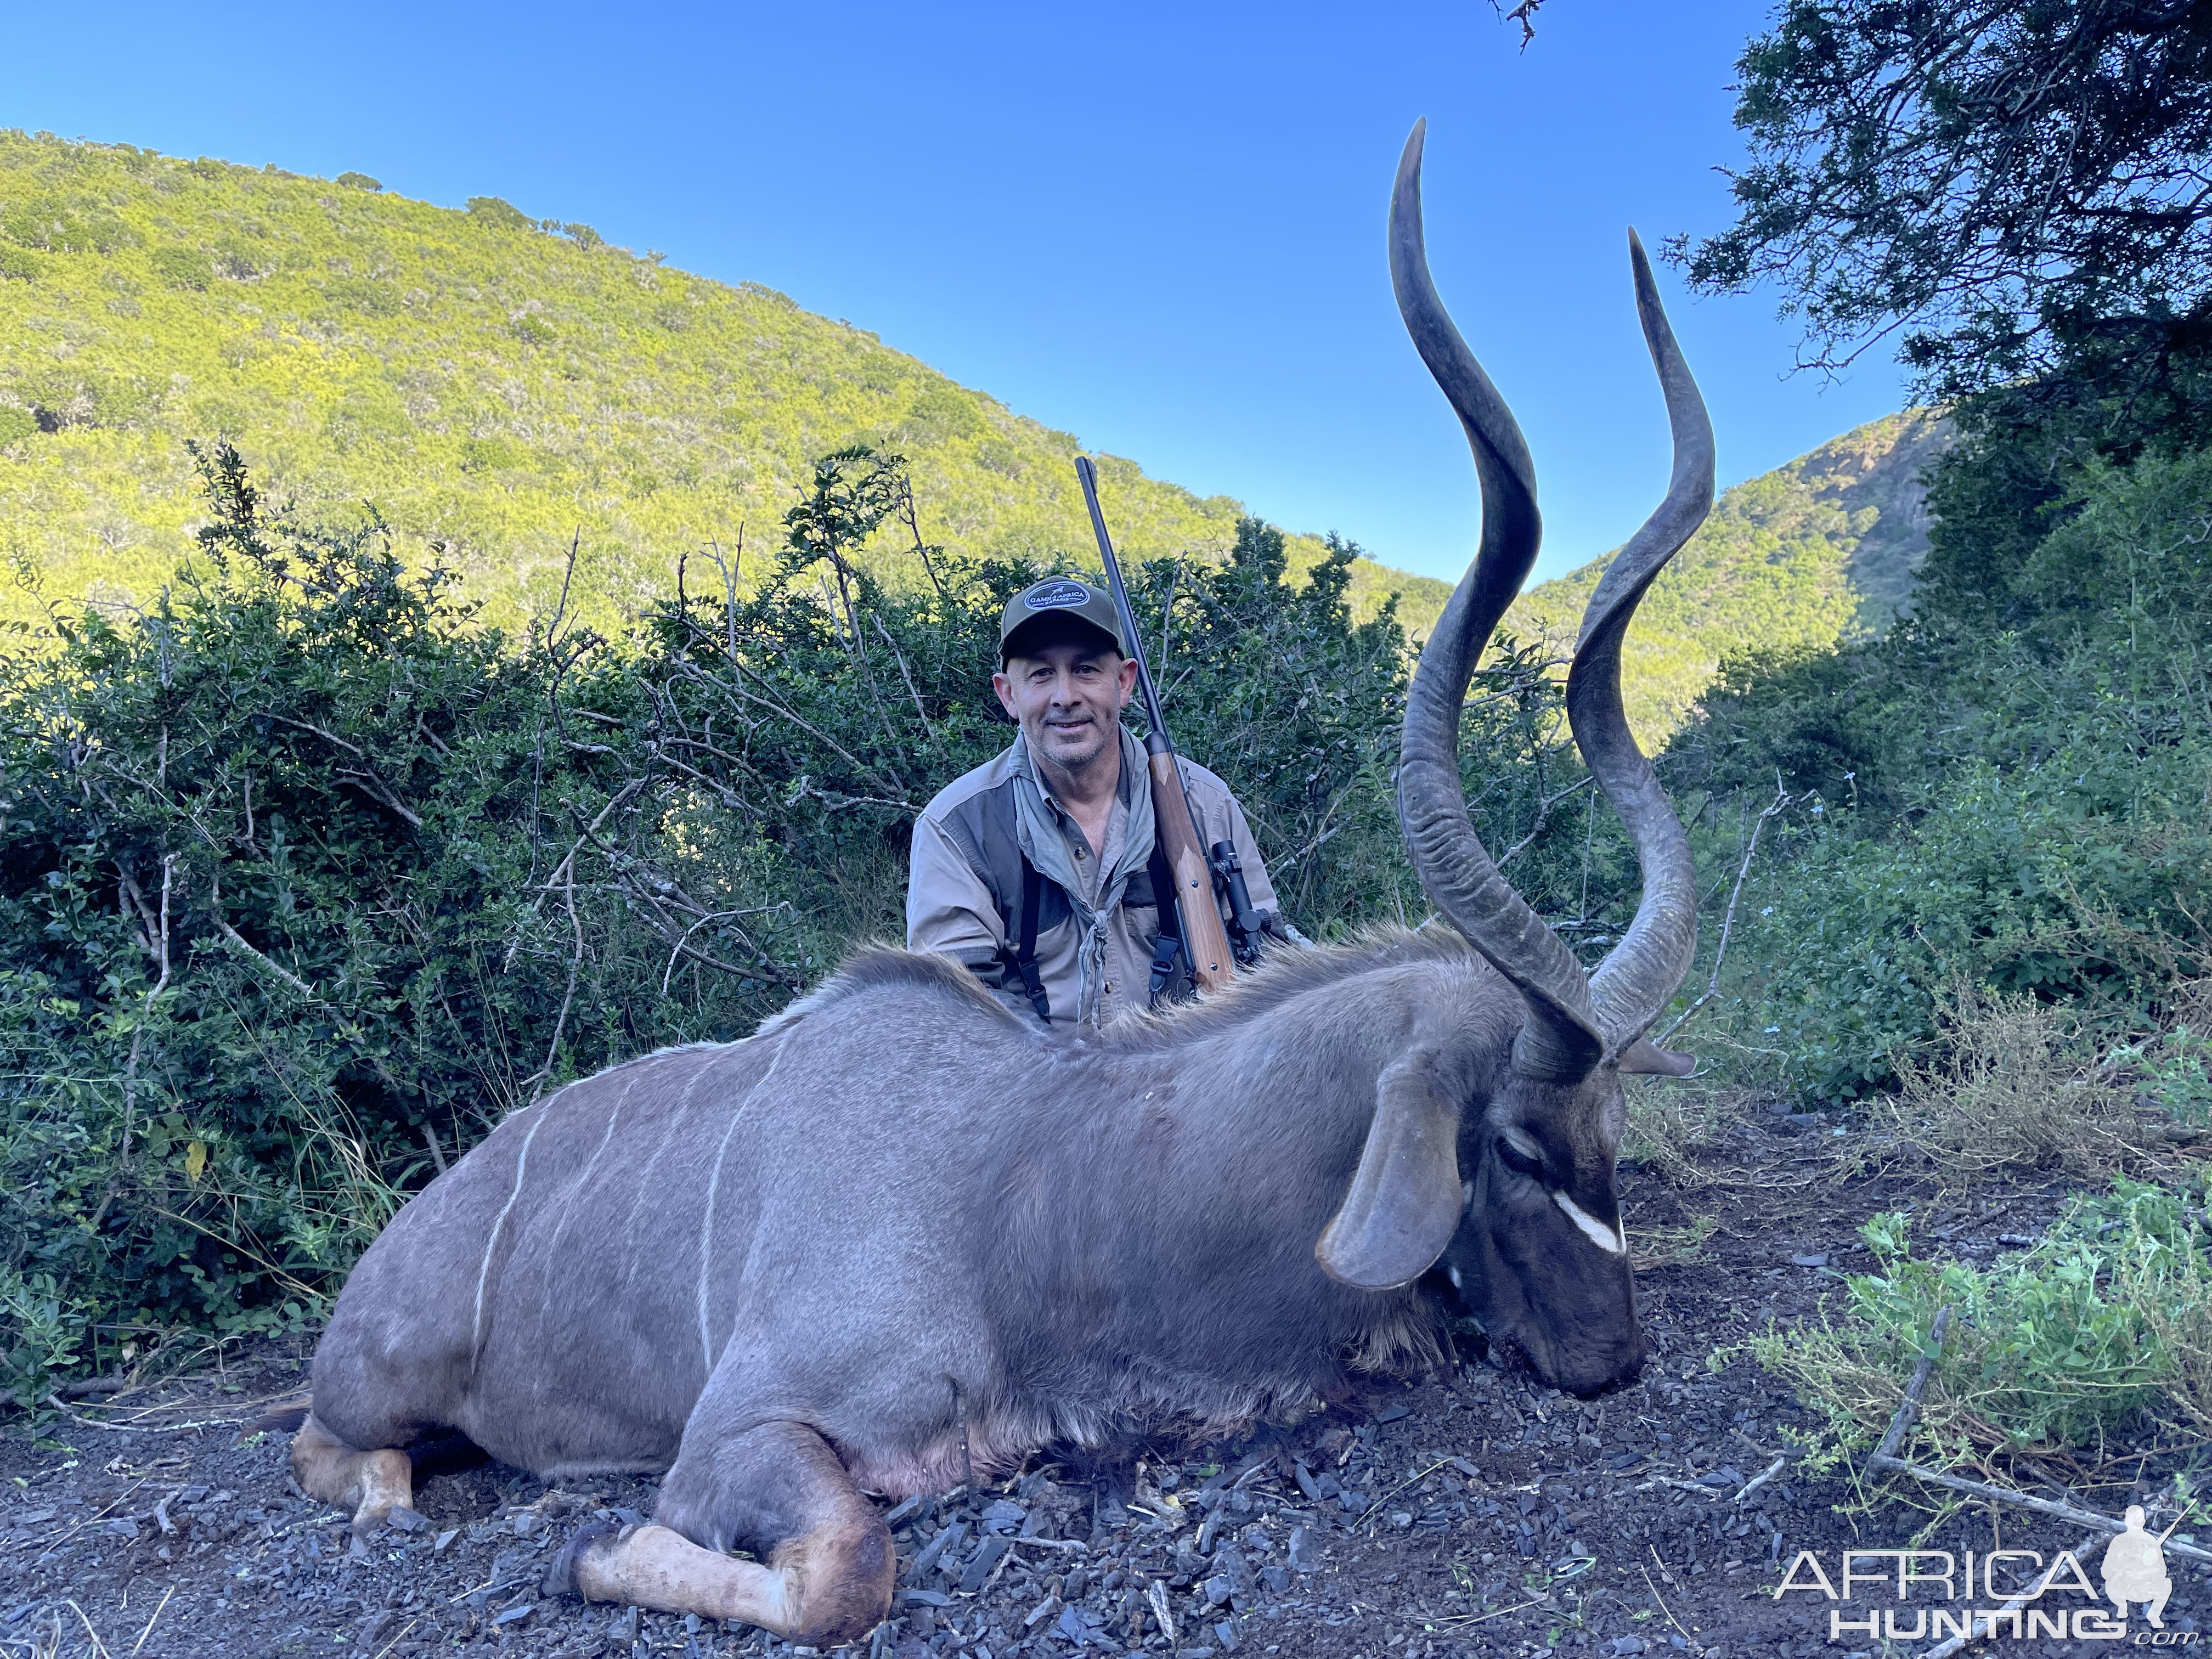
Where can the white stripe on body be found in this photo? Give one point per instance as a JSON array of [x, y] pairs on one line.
[[713, 1182], [491, 1246], [582, 1184], [672, 1127]]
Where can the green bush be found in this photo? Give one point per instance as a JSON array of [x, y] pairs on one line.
[[308, 877], [505, 215], [2021, 811], [2035, 883], [182, 268], [2107, 1321]]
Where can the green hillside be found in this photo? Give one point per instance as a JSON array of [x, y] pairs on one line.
[[1810, 555], [487, 379], [502, 385]]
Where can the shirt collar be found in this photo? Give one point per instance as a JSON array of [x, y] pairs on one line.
[[1124, 786]]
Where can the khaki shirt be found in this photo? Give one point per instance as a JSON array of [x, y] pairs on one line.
[[951, 907]]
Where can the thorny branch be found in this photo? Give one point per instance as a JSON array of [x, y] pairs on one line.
[[157, 946], [1543, 816]]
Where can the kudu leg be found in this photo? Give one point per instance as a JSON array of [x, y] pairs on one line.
[[778, 1490], [372, 1484]]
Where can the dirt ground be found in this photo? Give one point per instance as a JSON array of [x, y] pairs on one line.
[[1474, 1513]]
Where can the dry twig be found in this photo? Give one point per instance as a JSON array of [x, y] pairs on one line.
[[1782, 802], [2014, 1604], [155, 1620]]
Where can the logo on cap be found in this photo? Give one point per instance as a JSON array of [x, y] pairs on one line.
[[1058, 596]]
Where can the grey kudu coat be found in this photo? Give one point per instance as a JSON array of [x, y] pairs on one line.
[[898, 1187], [901, 1217]]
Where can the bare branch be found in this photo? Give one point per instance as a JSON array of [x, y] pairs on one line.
[[1782, 802], [222, 925]]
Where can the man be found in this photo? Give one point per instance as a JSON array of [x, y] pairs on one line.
[[1041, 869]]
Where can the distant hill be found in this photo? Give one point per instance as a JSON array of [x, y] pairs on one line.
[[1820, 550], [485, 378], [503, 383]]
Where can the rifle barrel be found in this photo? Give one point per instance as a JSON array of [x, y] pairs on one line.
[[1157, 737], [1204, 940]]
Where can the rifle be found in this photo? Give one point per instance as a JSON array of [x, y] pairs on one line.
[[1203, 937]]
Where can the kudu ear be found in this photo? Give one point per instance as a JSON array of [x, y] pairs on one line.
[[1645, 1058], [1403, 1202]]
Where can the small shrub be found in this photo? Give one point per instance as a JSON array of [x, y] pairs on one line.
[[1651, 1248], [182, 268], [1676, 1129], [2009, 1088], [505, 215], [42, 1329], [237, 260], [2179, 1076], [359, 181], [2104, 1323]]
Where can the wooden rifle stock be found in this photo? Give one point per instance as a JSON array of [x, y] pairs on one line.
[[1203, 935], [1205, 940]]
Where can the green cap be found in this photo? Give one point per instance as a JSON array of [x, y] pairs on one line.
[[1060, 597]]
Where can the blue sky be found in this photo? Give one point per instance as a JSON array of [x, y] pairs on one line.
[[1159, 228]]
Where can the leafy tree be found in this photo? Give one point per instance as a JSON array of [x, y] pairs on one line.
[[2019, 184]]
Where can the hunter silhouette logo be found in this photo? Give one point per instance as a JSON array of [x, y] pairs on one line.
[[2135, 1568]]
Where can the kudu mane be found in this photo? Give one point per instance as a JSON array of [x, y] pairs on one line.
[[1282, 976]]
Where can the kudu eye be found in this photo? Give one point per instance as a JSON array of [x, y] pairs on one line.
[[1518, 1161]]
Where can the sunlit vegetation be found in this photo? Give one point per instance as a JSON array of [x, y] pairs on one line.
[[498, 385]]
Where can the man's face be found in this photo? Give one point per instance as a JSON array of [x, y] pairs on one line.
[[1067, 698]]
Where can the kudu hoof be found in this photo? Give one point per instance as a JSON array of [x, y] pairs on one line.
[[560, 1577]]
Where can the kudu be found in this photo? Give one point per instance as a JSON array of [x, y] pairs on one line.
[[899, 1231]]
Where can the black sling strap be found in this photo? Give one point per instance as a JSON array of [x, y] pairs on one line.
[[1025, 956], [1167, 949]]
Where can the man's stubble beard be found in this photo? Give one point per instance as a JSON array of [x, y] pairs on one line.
[[1104, 739]]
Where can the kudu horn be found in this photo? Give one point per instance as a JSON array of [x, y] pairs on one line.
[[1574, 1021]]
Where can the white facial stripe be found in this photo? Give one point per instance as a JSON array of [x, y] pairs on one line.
[[1599, 1234], [1521, 1142]]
